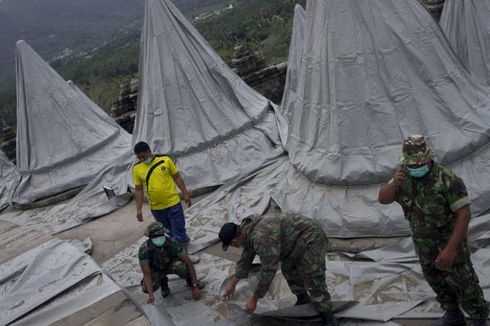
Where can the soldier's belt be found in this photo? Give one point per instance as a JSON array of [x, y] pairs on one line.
[[431, 232]]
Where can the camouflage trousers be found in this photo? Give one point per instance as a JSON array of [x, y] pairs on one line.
[[458, 285], [158, 276], [306, 274]]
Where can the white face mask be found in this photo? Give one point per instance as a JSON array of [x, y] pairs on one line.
[[147, 161]]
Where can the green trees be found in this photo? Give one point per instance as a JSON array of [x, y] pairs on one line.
[[263, 25]]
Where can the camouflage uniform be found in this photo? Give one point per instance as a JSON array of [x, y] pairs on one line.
[[298, 243], [162, 260], [429, 204]]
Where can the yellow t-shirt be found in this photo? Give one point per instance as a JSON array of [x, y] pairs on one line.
[[162, 190]]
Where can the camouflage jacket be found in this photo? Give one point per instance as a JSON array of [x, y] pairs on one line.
[[429, 204], [274, 239], [160, 258]]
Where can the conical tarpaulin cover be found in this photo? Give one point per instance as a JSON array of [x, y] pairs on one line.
[[192, 106], [9, 179], [63, 138], [376, 72], [466, 24], [294, 63]]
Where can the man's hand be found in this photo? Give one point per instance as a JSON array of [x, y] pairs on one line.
[[151, 298], [139, 216], [187, 199], [196, 293], [387, 193], [400, 175], [251, 305], [229, 290], [445, 259]]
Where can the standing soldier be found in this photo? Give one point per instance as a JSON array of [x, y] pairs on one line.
[[436, 204], [160, 256], [297, 242]]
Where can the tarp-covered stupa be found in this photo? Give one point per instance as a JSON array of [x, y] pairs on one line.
[[374, 73], [9, 179], [466, 24], [294, 62], [193, 107], [63, 139]]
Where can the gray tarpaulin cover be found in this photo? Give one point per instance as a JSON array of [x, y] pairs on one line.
[[388, 283], [9, 179], [192, 106], [48, 283], [294, 62], [467, 27], [375, 72], [63, 139], [231, 203], [88, 204]]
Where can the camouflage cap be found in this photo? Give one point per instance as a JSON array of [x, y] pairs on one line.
[[227, 233], [155, 229], [415, 150]]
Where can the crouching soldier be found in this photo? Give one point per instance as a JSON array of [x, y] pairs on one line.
[[298, 243], [160, 256]]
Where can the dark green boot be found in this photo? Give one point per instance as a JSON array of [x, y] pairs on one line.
[[302, 298], [328, 319], [479, 322], [451, 318], [164, 287]]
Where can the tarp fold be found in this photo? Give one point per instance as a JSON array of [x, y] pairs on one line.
[[192, 106], [63, 138]]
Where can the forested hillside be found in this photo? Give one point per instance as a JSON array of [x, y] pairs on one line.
[[263, 25]]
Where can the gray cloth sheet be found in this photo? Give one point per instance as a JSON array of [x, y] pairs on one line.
[[376, 72], [88, 204], [390, 286], [343, 212], [64, 139], [192, 106], [50, 282], [373, 73], [466, 24], [354, 211], [9, 179], [295, 58], [125, 269], [231, 203], [395, 276]]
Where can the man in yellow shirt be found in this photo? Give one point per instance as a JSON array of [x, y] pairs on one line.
[[160, 176]]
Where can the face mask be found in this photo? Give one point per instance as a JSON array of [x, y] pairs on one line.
[[159, 242], [147, 161], [418, 172]]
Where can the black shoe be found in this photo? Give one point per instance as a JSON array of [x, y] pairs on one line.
[[164, 287], [328, 319], [302, 298], [451, 318]]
